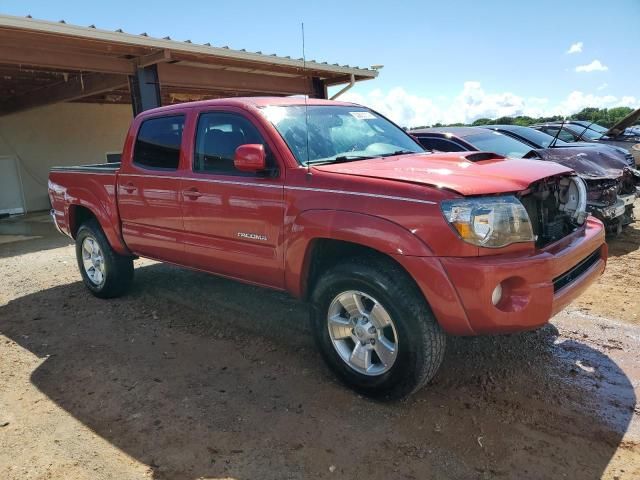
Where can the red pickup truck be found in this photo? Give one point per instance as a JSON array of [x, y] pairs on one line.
[[392, 246]]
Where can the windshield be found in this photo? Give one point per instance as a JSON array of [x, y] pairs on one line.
[[338, 133], [592, 126], [588, 133], [536, 136], [498, 143]]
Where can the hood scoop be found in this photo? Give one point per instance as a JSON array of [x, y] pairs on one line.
[[482, 156]]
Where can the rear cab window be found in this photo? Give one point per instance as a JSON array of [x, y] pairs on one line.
[[158, 143]]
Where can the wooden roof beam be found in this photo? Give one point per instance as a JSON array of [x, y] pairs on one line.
[[42, 57], [177, 75], [160, 56], [74, 89], [47, 58]]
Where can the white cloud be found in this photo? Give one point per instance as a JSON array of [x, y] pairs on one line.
[[474, 102], [603, 86], [595, 66], [575, 48]]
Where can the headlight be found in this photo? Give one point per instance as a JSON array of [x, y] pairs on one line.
[[489, 221]]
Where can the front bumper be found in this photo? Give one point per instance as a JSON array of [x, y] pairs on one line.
[[611, 212], [535, 285]]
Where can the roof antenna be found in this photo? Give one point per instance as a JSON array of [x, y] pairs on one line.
[[306, 106]]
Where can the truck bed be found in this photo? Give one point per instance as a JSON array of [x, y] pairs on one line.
[[88, 187]]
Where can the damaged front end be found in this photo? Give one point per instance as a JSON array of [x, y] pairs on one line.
[[611, 200], [556, 206], [612, 186]]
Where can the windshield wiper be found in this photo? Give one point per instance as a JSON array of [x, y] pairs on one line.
[[351, 158], [585, 131], [341, 159], [398, 152]]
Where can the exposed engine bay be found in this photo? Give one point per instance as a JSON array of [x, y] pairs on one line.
[[611, 200], [611, 186], [557, 206]]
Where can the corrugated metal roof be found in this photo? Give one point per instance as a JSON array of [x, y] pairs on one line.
[[144, 40]]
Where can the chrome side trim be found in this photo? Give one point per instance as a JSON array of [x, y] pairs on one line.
[[111, 173], [268, 185], [206, 180], [363, 194]]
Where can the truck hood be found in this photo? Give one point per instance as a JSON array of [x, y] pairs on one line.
[[588, 162], [467, 173]]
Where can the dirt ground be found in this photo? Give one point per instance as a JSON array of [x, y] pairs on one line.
[[191, 376]]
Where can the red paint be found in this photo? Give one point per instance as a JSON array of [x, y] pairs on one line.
[[250, 158], [261, 228]]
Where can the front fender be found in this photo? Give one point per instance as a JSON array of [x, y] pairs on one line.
[[376, 233]]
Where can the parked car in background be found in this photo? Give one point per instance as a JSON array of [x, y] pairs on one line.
[[392, 246], [611, 186], [583, 131], [539, 139]]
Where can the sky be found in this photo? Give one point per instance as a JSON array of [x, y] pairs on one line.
[[452, 61]]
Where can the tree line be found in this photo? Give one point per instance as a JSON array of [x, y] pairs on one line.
[[607, 117]]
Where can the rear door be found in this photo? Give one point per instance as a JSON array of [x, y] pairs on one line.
[[233, 220], [148, 190]]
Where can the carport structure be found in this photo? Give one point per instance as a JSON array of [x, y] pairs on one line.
[[46, 64]]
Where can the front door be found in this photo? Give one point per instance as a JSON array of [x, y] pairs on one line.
[[148, 191], [233, 220]]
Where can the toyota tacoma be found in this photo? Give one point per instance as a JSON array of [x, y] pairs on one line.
[[393, 247]]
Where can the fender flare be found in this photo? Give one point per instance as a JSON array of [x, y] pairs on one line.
[[83, 197], [369, 231]]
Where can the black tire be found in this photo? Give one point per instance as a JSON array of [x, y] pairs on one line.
[[420, 343], [118, 269]]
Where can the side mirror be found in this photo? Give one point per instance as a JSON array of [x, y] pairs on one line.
[[250, 158]]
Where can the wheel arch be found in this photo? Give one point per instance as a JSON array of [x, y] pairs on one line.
[[87, 207], [319, 238]]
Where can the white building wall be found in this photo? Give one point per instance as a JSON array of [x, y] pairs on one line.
[[61, 134]]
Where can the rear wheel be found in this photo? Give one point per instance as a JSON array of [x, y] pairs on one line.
[[375, 329], [105, 273]]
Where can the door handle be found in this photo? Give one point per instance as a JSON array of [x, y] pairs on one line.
[[129, 187], [192, 193]]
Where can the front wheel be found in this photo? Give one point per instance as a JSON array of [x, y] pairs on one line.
[[375, 329], [105, 273]]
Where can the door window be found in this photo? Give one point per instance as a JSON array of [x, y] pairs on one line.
[[440, 144], [158, 143], [565, 135], [217, 138]]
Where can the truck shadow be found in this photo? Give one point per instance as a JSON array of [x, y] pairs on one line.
[[197, 376]]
